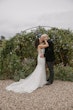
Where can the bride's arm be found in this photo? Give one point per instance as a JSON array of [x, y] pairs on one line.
[[44, 45]]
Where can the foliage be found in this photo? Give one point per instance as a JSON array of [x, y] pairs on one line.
[[63, 45], [64, 73], [18, 54]]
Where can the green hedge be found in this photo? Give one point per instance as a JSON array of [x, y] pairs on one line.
[[64, 73], [15, 50]]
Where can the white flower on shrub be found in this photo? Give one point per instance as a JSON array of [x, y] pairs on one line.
[[10, 52]]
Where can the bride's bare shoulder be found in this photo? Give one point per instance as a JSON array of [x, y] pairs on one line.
[[38, 47]]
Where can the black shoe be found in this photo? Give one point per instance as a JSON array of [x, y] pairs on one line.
[[47, 79]]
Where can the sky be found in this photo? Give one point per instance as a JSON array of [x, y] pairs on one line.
[[18, 15]]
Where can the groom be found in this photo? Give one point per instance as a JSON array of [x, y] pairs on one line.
[[50, 58]]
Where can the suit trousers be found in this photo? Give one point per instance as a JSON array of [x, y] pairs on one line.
[[51, 70]]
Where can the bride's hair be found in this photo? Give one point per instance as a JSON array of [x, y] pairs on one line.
[[37, 42]]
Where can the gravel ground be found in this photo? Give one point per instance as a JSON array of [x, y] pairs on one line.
[[58, 96]]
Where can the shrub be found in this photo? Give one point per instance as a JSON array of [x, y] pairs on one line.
[[21, 46], [64, 73]]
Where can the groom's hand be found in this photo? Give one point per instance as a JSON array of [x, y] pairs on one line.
[[41, 55]]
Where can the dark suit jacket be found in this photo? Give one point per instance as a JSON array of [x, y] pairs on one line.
[[49, 51]]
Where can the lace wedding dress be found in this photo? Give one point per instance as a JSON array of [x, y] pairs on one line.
[[35, 80]]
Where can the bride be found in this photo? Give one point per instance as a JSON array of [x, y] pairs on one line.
[[38, 77]]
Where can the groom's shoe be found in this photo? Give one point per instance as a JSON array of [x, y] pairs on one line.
[[49, 83], [47, 79]]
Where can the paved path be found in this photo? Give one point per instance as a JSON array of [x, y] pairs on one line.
[[58, 96]]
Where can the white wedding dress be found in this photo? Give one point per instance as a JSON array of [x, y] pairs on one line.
[[35, 80]]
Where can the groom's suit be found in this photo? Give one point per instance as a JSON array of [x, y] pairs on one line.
[[50, 58]]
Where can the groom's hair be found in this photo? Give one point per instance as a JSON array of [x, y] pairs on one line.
[[45, 35]]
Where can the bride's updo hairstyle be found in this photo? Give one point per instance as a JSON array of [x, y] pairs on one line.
[[37, 42]]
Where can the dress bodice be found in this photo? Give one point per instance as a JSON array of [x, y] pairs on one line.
[[41, 51]]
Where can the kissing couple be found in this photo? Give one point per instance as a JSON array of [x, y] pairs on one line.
[[37, 78]]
